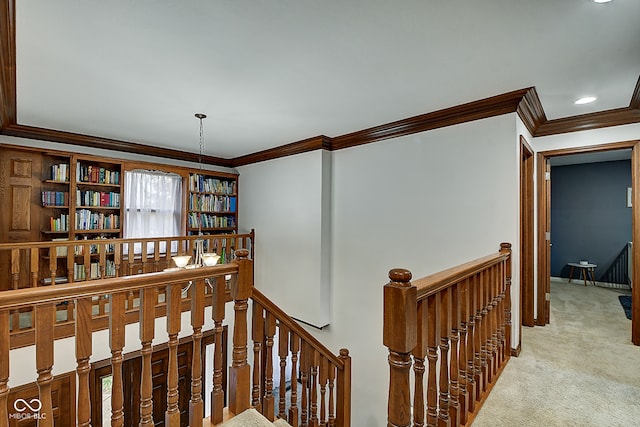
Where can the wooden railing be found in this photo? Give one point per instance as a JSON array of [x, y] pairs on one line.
[[459, 320], [324, 379], [34, 264]]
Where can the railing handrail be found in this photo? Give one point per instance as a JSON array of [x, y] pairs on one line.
[[67, 243], [294, 326], [434, 283], [13, 299]]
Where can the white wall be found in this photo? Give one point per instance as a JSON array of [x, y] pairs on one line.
[[287, 201], [423, 202]]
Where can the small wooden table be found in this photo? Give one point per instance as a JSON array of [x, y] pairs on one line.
[[585, 269]]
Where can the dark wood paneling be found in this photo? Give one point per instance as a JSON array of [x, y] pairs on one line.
[[484, 108], [306, 145], [63, 392], [7, 63]]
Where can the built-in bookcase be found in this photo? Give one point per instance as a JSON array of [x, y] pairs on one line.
[[212, 203]]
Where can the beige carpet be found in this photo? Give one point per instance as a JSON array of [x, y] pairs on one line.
[[252, 418], [580, 370]]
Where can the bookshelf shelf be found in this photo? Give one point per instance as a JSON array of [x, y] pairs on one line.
[[212, 200]]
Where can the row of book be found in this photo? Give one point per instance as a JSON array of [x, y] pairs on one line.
[[96, 174], [60, 172], [55, 198], [210, 221], [89, 220], [97, 198], [203, 184], [212, 203], [80, 270], [95, 248], [60, 224]]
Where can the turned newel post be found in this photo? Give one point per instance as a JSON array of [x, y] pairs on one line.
[[400, 337], [505, 248], [240, 372]]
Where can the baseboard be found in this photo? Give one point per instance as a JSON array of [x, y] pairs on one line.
[[599, 284]]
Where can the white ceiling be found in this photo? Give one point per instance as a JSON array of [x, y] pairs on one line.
[[268, 73]]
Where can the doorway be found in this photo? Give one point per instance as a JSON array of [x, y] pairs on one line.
[[544, 229]]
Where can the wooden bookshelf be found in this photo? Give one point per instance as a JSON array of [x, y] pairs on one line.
[[212, 203]]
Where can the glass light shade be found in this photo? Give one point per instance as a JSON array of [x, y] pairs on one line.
[[182, 260], [210, 258]]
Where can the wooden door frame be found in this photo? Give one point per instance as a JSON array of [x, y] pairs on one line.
[[543, 208], [527, 266]]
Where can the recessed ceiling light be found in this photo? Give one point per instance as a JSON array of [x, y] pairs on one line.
[[602, 1], [585, 100]]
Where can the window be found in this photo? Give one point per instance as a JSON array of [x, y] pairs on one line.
[[153, 205]]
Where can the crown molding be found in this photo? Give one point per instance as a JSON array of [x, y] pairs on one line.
[[31, 132], [635, 98], [7, 63], [320, 142], [598, 120], [484, 108], [530, 110]]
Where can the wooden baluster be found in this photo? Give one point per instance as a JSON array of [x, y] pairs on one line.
[[324, 375], [399, 336], [304, 381], [131, 258], [494, 318], [103, 260], [53, 265], [315, 362], [343, 394], [217, 314], [148, 301], [433, 331], [268, 406], [419, 354], [293, 408], [445, 329], [144, 256], [117, 324], [196, 405], [500, 311], [472, 386], [34, 266], [487, 315], [332, 405], [117, 257], [454, 390], [477, 338], [506, 248], [87, 261], [15, 268], [71, 259], [257, 334], [174, 314], [462, 360], [83, 354], [4, 367], [156, 256], [283, 352], [45, 319], [240, 372]]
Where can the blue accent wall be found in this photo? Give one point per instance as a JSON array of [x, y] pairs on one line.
[[589, 215]]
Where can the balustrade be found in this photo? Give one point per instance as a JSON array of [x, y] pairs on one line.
[[459, 322]]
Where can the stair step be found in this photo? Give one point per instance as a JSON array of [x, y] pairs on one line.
[[252, 418]]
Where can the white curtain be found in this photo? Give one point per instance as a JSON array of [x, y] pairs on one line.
[[153, 204]]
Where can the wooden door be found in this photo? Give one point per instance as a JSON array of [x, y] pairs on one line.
[[527, 297], [20, 177], [544, 240]]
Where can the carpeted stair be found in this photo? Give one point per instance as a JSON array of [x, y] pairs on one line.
[[253, 418]]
